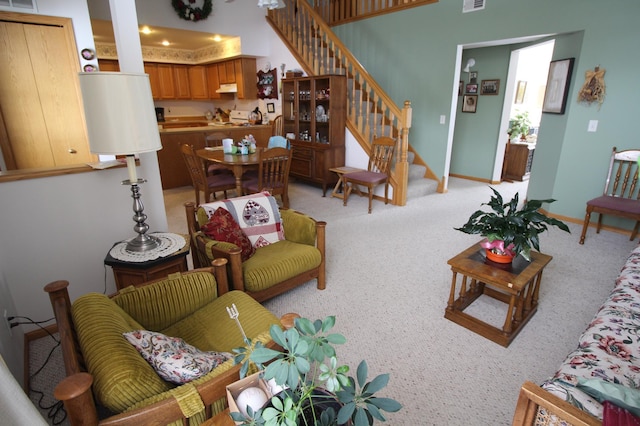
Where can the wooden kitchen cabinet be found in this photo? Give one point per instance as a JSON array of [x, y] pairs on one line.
[[173, 170], [166, 82], [108, 65], [314, 111], [181, 81], [198, 82], [154, 81], [246, 78], [227, 72]]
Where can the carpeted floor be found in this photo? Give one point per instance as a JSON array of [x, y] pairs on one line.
[[388, 284]]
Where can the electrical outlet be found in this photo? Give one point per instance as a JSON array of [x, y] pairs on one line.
[[6, 321], [442, 119]]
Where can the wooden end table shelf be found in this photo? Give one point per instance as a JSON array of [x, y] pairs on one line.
[[517, 285]]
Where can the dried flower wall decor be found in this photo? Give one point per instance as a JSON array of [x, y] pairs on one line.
[[593, 89]]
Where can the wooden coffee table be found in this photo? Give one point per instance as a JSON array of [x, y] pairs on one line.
[[516, 284]]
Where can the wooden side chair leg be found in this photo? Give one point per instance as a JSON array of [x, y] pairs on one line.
[[634, 233], [585, 225], [370, 192], [599, 223]]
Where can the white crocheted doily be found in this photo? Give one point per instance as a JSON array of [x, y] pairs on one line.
[[169, 244]]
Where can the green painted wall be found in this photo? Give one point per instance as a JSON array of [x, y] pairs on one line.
[[412, 55]]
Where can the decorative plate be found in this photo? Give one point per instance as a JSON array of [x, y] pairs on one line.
[[88, 54], [89, 68]]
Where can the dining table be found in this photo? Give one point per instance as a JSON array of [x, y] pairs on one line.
[[237, 163]]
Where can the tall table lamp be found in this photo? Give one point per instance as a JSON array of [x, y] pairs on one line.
[[120, 117]]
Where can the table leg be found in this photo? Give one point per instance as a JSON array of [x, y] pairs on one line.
[[237, 172], [452, 293], [508, 323]]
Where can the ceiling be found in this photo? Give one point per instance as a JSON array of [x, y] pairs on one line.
[[178, 39]]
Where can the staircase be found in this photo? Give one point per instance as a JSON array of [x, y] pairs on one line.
[[370, 111]]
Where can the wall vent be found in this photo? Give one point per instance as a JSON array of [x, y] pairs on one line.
[[472, 5]]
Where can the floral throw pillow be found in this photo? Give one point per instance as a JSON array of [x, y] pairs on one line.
[[173, 359], [222, 227]]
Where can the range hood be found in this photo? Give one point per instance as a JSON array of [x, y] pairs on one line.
[[228, 88]]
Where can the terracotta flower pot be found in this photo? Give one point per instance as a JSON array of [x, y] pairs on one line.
[[498, 258]]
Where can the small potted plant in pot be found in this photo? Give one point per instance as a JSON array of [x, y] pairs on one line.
[[317, 391], [519, 126], [510, 231]]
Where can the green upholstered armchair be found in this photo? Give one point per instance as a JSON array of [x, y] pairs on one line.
[[189, 305], [274, 268]]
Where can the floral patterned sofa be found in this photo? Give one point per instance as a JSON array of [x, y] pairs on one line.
[[605, 366]]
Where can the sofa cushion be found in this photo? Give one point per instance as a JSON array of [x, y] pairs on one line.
[[298, 227], [620, 395], [222, 227], [257, 214], [121, 377], [278, 262], [173, 359], [211, 328], [168, 301]]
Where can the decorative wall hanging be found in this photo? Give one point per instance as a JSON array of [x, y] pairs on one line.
[[593, 89], [469, 103], [520, 91], [268, 84], [188, 12], [555, 97]]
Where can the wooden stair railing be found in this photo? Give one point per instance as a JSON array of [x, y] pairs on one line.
[[371, 112], [337, 12]]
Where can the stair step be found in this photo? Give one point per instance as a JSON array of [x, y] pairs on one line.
[[416, 171], [420, 187]]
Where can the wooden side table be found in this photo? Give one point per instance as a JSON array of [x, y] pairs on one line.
[[221, 419], [338, 190], [517, 285], [135, 273]]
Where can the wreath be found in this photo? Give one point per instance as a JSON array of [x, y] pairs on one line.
[[191, 13]]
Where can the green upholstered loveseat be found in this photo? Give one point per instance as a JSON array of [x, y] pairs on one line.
[[274, 268], [190, 305]]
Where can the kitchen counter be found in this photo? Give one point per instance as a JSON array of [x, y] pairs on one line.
[[173, 170]]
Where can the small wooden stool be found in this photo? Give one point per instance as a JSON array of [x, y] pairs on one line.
[[338, 190]]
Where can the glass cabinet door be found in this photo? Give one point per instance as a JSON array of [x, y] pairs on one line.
[[322, 95]]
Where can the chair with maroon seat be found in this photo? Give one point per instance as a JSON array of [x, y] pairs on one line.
[[621, 193], [377, 173], [201, 182], [215, 140]]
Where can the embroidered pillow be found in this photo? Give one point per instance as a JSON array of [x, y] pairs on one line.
[[256, 214], [173, 359], [222, 227]]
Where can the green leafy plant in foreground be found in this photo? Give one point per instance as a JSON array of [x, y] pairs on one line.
[[518, 229], [306, 366]]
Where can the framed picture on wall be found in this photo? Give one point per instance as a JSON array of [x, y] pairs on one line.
[[521, 88], [469, 103], [555, 96], [460, 88], [472, 88], [271, 107], [489, 87]]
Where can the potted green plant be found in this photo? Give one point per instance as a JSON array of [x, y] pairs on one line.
[[519, 126], [510, 231], [317, 390]]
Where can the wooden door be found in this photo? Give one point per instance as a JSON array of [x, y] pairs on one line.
[[40, 98]]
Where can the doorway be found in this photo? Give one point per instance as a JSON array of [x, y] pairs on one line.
[[522, 111]]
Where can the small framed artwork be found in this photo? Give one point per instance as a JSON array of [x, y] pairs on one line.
[[520, 90], [469, 103], [89, 68], [489, 87], [472, 88], [271, 107], [473, 77], [555, 96], [88, 54], [460, 88]]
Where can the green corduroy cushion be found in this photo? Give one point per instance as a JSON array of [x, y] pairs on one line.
[[121, 376], [166, 302], [211, 328], [278, 262], [298, 227]]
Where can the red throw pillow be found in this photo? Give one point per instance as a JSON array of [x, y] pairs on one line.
[[222, 227]]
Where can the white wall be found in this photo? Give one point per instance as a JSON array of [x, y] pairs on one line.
[[61, 228]]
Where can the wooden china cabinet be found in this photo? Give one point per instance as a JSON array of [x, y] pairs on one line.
[[314, 119]]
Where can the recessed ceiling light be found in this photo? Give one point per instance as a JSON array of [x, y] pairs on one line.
[[165, 43], [217, 38], [145, 30]]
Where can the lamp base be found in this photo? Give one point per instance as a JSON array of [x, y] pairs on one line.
[[143, 242]]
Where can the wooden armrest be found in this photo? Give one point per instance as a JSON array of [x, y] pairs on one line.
[[533, 396]]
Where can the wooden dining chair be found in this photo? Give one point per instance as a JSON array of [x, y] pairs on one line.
[[621, 193], [277, 127], [214, 140], [378, 171], [201, 182], [273, 174]]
